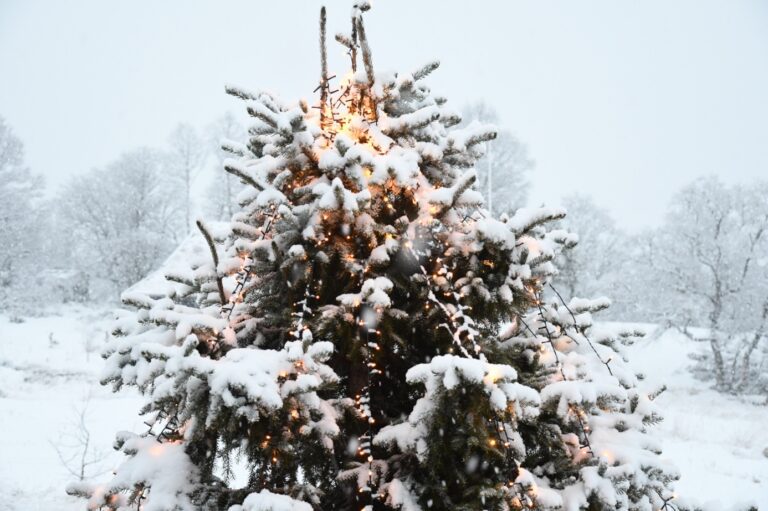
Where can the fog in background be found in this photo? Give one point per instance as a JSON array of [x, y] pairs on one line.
[[626, 101]]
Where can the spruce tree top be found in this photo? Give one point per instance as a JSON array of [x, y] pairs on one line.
[[370, 338]]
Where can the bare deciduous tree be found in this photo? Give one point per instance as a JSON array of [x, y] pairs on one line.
[[20, 218], [597, 265], [187, 155], [75, 447], [711, 262], [224, 187], [120, 221], [502, 173]]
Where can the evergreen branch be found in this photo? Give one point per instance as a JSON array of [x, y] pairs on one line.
[[366, 49], [212, 247], [237, 92], [345, 41], [264, 114], [656, 393], [239, 172], [233, 148], [464, 183], [323, 50], [323, 69], [485, 135], [354, 38], [583, 334], [245, 274], [425, 70], [549, 338], [367, 62], [524, 219]]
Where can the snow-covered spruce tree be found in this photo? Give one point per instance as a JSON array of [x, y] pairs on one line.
[[370, 338]]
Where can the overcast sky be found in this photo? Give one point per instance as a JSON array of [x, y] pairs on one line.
[[626, 100]]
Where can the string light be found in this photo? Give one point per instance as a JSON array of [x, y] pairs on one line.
[[245, 272], [582, 332]]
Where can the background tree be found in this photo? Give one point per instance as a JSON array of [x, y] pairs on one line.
[[597, 265], [75, 446], [503, 170], [361, 259], [121, 220], [188, 153], [21, 222], [709, 259], [223, 190]]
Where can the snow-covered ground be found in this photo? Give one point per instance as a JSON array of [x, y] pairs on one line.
[[49, 370], [719, 443]]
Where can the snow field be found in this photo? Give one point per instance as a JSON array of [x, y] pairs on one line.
[[49, 366]]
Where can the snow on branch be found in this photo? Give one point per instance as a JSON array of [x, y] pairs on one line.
[[526, 219], [459, 194], [268, 501], [425, 70]]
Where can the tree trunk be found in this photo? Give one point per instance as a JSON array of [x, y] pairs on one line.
[[714, 339], [745, 359]]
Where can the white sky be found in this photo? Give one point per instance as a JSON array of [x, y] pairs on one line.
[[626, 100]]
